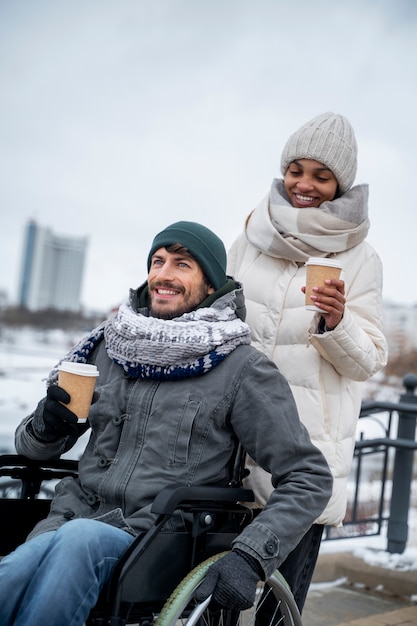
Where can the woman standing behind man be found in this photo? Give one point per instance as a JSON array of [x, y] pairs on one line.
[[315, 211]]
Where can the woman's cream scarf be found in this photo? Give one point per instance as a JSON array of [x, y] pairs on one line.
[[283, 231]]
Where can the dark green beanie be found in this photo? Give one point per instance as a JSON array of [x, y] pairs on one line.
[[206, 248]]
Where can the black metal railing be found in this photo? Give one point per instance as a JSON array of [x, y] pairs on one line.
[[396, 452]]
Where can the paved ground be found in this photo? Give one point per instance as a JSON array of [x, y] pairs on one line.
[[348, 592], [343, 605]]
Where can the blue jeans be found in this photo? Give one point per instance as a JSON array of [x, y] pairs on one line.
[[56, 577]]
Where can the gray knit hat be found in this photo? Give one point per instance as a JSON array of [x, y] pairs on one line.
[[329, 139], [206, 247]]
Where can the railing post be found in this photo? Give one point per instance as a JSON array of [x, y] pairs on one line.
[[403, 472]]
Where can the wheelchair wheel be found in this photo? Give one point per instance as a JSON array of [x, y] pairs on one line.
[[181, 608]]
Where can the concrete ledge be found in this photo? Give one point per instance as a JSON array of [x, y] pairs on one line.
[[331, 567], [402, 617]]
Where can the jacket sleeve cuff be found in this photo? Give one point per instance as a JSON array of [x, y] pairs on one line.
[[262, 544], [27, 444]]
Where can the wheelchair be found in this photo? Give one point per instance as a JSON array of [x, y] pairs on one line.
[[154, 581]]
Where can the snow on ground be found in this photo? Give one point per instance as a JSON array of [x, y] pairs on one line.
[[373, 550], [26, 357]]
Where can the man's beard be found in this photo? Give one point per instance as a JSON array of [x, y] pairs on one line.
[[189, 303]]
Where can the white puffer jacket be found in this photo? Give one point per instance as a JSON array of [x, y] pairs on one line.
[[325, 371]]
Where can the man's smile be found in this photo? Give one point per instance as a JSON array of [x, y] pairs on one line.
[[162, 291], [166, 291]]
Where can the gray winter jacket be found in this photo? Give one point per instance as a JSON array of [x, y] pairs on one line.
[[146, 434]]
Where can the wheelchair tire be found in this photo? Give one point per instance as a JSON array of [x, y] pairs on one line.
[[181, 608]]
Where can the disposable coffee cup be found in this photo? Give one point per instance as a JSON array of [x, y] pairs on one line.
[[318, 270], [79, 380]]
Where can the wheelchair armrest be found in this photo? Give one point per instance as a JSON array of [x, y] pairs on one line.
[[171, 496], [16, 461], [33, 472]]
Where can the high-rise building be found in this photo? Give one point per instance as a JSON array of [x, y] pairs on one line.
[[400, 327], [52, 270]]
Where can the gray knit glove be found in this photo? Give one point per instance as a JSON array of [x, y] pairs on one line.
[[232, 581]]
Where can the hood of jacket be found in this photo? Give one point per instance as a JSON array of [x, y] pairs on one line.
[[230, 294]]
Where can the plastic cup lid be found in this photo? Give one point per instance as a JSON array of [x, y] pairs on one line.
[[83, 369], [318, 260]]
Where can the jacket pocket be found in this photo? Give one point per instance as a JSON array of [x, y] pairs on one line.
[[184, 432]]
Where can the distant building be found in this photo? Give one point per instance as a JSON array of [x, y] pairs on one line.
[[52, 270], [3, 299], [400, 327]]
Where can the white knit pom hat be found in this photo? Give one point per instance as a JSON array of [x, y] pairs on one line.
[[329, 139]]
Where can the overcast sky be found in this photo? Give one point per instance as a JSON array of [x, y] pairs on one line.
[[119, 117]]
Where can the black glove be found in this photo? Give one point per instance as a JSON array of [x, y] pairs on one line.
[[52, 419], [232, 581]]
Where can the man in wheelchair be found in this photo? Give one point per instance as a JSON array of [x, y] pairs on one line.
[[179, 384]]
